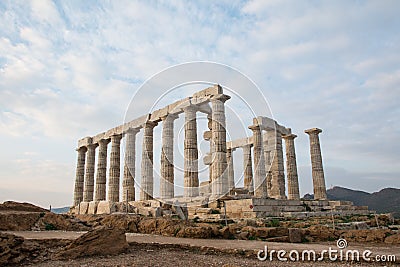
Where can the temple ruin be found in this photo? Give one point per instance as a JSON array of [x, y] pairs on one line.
[[265, 183]]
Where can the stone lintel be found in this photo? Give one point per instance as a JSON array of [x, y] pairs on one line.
[[269, 124], [204, 108], [209, 92], [137, 123], [114, 131], [158, 114], [239, 142], [313, 130], [85, 141], [98, 137], [177, 107]]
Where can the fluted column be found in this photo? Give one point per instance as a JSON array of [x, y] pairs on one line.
[[277, 167], [115, 165], [291, 167], [147, 180], [191, 179], [231, 173], [101, 177], [260, 186], [218, 137], [248, 169], [268, 161], [128, 183], [316, 164], [167, 157], [89, 174], [80, 175]]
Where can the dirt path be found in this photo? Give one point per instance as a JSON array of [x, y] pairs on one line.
[[153, 250]]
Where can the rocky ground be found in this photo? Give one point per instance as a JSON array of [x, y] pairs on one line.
[[106, 237]]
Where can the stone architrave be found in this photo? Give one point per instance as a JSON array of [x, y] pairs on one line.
[[128, 183], [218, 139], [316, 164], [80, 175], [260, 186], [231, 172], [114, 171], [291, 168], [101, 177], [147, 181], [89, 174], [248, 168], [191, 179], [167, 157]]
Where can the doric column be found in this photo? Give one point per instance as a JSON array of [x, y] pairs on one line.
[[115, 165], [146, 184], [248, 169], [268, 161], [260, 186], [167, 157], [191, 179], [128, 183], [291, 167], [316, 164], [101, 177], [89, 174], [277, 167], [80, 175], [231, 173], [218, 138]]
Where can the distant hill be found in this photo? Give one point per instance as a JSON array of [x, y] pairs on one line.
[[60, 210], [384, 201]]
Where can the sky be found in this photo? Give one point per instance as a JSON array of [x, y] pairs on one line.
[[69, 69]]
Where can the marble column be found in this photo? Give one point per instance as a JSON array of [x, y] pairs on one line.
[[147, 180], [114, 171], [260, 186], [128, 183], [316, 164], [191, 179], [248, 169], [291, 167], [89, 174], [268, 161], [101, 177], [80, 175], [231, 173], [167, 157], [218, 138], [277, 167]]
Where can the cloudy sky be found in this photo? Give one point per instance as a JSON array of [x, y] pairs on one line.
[[68, 69]]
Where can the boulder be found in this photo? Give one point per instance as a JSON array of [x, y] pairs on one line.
[[295, 235], [100, 241], [393, 239]]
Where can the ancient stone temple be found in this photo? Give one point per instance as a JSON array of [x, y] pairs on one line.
[[267, 191]]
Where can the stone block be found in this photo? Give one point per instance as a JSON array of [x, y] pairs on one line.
[[99, 137], [209, 92], [137, 123], [156, 115], [92, 207], [207, 136], [85, 141], [83, 207], [106, 207], [177, 107]]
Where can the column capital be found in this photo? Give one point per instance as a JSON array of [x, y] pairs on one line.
[[92, 146], [149, 124], [255, 127], [116, 137], [220, 97], [104, 141], [313, 131], [190, 108], [289, 136], [82, 149]]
